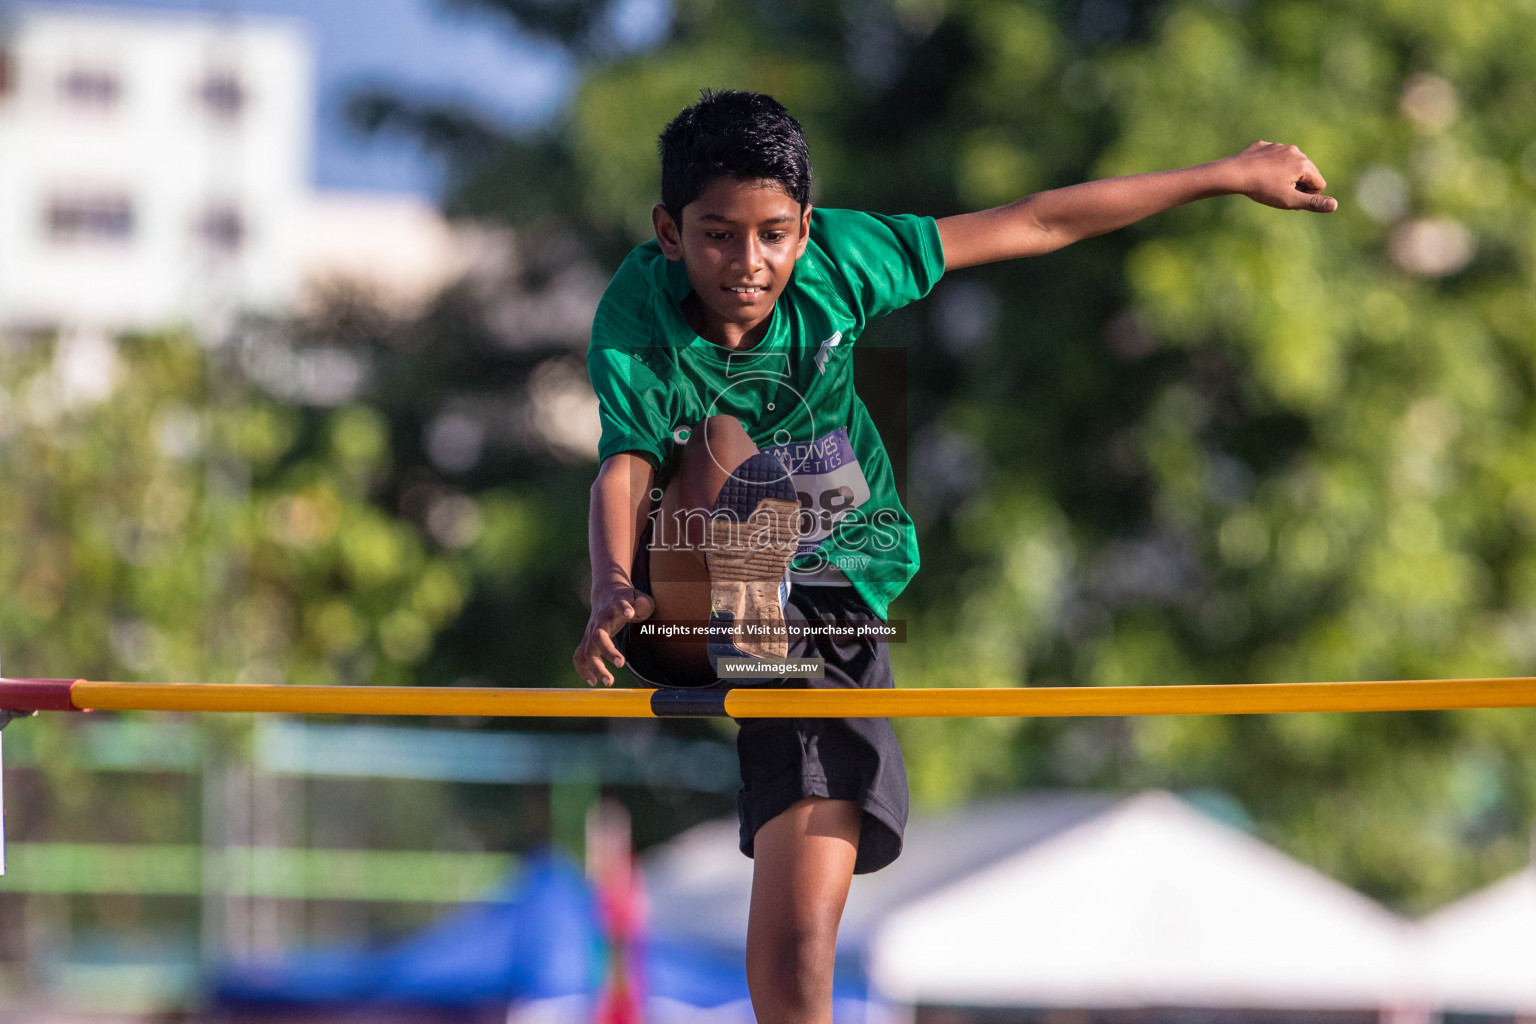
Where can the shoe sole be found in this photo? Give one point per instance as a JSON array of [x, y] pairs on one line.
[[747, 556], [746, 563]]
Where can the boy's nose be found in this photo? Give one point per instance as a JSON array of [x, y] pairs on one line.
[[749, 255]]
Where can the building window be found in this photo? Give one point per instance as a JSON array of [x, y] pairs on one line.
[[96, 88], [222, 95], [222, 228], [102, 217]]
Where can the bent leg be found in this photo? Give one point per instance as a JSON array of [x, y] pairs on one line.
[[679, 580], [803, 866]]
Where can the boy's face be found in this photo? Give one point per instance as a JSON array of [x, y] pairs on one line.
[[739, 241]]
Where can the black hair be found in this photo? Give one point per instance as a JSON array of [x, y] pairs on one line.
[[732, 134]]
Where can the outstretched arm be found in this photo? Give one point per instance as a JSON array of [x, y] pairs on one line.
[[616, 520], [1266, 172]]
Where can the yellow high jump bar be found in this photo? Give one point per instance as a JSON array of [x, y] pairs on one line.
[[19, 697], [27, 695]]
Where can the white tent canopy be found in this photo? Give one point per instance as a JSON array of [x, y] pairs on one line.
[[1150, 903], [700, 885], [1480, 952]]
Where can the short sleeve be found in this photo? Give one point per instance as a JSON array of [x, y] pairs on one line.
[[633, 402], [883, 262]]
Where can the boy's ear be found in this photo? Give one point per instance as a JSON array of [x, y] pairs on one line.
[[668, 232], [805, 231]]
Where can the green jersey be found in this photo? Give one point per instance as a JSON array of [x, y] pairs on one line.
[[793, 391]]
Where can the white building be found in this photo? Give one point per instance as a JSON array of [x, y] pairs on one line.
[[395, 247], [153, 166]]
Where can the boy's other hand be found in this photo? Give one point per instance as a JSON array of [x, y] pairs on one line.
[[612, 610], [1280, 176]]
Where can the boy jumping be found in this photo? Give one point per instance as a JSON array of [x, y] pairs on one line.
[[743, 484]]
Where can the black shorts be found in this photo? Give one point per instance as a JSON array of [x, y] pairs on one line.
[[784, 760]]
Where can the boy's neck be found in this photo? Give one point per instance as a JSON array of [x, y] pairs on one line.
[[717, 330]]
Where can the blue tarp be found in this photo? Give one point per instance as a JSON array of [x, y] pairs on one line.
[[537, 937]]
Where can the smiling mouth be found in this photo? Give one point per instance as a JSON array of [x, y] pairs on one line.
[[747, 290]]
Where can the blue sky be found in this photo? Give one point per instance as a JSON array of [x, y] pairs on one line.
[[420, 47]]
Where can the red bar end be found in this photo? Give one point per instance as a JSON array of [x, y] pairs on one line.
[[37, 694]]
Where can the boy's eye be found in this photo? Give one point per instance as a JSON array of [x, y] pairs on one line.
[[773, 236], [717, 236]]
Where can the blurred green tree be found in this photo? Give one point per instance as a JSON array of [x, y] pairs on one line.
[[154, 531]]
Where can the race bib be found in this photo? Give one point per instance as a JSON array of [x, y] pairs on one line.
[[829, 481]]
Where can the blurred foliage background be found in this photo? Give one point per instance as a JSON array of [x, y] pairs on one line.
[[1226, 445]]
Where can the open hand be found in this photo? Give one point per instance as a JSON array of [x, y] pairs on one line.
[[611, 612], [1280, 176]]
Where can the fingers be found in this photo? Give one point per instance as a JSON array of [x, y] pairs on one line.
[[621, 614], [625, 611], [1309, 189], [1310, 179], [606, 647], [591, 668], [1312, 183], [595, 646]]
